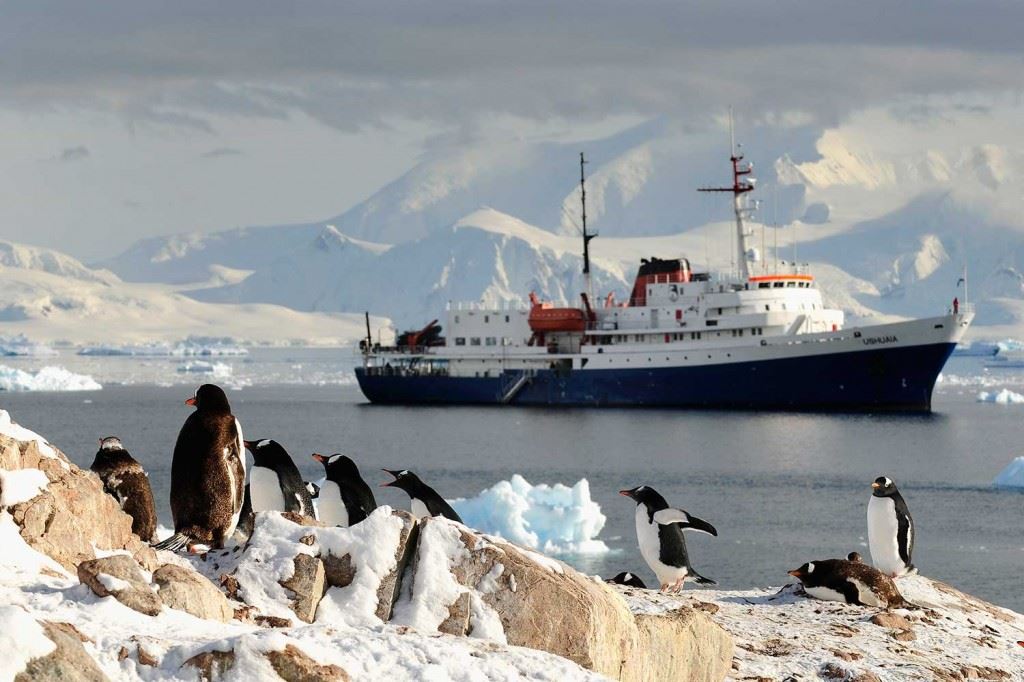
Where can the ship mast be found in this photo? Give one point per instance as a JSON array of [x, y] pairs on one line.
[[586, 237], [740, 186]]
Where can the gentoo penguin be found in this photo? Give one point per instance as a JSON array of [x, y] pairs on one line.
[[852, 582], [207, 473], [890, 529], [628, 579], [425, 500], [125, 480], [344, 498], [275, 483], [659, 532], [854, 557]]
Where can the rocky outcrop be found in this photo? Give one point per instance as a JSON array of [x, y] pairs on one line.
[[119, 577], [69, 662], [293, 665], [308, 584], [186, 590], [544, 604], [211, 666], [72, 516]]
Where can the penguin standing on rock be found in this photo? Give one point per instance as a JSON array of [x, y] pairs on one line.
[[207, 473], [890, 529], [127, 482], [659, 532], [852, 582], [344, 498], [275, 483], [425, 500]]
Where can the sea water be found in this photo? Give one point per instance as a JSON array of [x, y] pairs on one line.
[[781, 488]]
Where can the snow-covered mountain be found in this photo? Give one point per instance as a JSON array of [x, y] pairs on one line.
[[51, 297], [889, 209]]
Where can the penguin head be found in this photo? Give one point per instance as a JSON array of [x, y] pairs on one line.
[[804, 573], [855, 557], [646, 495], [111, 443], [404, 480], [338, 467], [211, 399], [266, 452], [883, 486]]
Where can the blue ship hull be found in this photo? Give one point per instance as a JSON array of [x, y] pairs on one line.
[[888, 379]]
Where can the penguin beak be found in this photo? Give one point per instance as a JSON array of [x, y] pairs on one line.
[[795, 573], [626, 493], [390, 484], [320, 458], [875, 485], [249, 445], [191, 401]]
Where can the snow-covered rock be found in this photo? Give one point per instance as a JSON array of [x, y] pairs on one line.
[[554, 519], [49, 378], [1012, 476]]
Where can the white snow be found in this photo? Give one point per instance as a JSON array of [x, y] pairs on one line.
[[439, 548], [1012, 476], [21, 640], [49, 378], [113, 583], [12, 429], [1003, 397], [20, 485], [554, 519]]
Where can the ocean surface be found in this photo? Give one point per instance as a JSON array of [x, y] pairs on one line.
[[781, 488]]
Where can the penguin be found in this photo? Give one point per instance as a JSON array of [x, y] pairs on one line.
[[425, 500], [124, 479], [628, 579], [207, 473], [890, 529], [659, 532], [854, 557], [275, 483], [344, 498], [852, 582]]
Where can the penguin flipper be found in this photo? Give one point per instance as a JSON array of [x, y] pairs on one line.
[[174, 543], [685, 521], [701, 580]]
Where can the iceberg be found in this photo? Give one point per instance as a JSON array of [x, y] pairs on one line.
[[214, 369], [554, 519], [1012, 476], [49, 378], [19, 345], [1003, 397], [190, 347]]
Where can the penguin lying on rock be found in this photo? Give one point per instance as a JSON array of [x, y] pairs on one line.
[[659, 532], [125, 480], [852, 582], [628, 579]]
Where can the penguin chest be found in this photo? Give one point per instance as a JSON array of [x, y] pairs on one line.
[[883, 535], [825, 593], [330, 505], [419, 508], [265, 490], [661, 547]]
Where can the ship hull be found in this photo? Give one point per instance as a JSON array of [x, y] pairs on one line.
[[899, 378]]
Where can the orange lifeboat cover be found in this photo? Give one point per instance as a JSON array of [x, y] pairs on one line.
[[557, 319]]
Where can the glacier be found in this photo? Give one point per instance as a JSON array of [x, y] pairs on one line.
[[50, 378], [554, 519]]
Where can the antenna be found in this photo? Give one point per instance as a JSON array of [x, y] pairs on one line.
[[583, 206]]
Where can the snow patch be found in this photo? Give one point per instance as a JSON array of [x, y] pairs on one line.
[[12, 429], [113, 583], [1012, 476], [21, 640], [50, 378], [21, 485], [554, 519], [1003, 397]]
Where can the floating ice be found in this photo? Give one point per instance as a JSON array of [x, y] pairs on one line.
[[552, 519], [1003, 397], [1012, 476], [190, 347], [20, 345], [49, 378], [215, 369]]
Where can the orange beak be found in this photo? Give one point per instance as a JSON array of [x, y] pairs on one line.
[[795, 572], [191, 401], [320, 458]]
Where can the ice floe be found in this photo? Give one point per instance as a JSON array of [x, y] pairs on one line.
[[555, 519], [1012, 476], [1003, 397], [50, 378], [20, 345]]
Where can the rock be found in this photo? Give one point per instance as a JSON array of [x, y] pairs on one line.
[[302, 520], [832, 671], [903, 635], [846, 655], [272, 622], [211, 665], [308, 582], [887, 619], [128, 586], [295, 666], [186, 590], [544, 604], [73, 516], [69, 662], [146, 658], [865, 676]]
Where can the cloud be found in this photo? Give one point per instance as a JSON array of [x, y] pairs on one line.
[[458, 62], [220, 152], [74, 154]]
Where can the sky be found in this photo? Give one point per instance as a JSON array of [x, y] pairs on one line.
[[124, 120]]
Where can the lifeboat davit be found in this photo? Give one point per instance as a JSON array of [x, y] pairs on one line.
[[545, 318]]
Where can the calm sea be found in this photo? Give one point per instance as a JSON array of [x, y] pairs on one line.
[[782, 489]]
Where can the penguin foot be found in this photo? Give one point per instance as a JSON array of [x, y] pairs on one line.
[[664, 588], [677, 586]]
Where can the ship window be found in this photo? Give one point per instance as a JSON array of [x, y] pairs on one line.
[[767, 307], [491, 341], [778, 285], [474, 341], [487, 318], [719, 311], [460, 341], [506, 319], [712, 323], [764, 285], [790, 285]]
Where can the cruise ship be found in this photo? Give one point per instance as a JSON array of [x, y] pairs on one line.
[[684, 339]]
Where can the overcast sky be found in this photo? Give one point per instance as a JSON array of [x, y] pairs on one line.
[[121, 120]]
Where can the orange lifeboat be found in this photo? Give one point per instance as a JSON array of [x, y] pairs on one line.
[[544, 318]]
